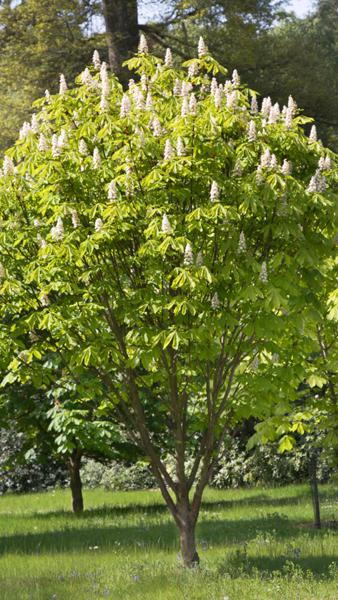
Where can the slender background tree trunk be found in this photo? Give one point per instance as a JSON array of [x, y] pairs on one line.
[[74, 464], [121, 20]]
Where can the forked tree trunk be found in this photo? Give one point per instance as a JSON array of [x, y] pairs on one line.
[[74, 464], [189, 553], [121, 21]]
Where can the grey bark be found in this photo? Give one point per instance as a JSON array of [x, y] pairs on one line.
[[121, 21]]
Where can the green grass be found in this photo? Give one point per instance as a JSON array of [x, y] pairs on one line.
[[254, 544]]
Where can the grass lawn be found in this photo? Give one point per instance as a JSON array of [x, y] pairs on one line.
[[254, 545]]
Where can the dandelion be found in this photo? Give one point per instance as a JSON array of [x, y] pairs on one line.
[[75, 218], [57, 232], [168, 59], [177, 90], [168, 150], [218, 96], [83, 148], [214, 192], [143, 45], [313, 134], [63, 84], [34, 124], [252, 131], [125, 105], [45, 300], [202, 49], [8, 166], [254, 105], [96, 158], [180, 147], [96, 60], [192, 104], [188, 255], [215, 301], [266, 159], [98, 224], [185, 106], [241, 243], [287, 167], [236, 80], [166, 227], [263, 276], [112, 191]]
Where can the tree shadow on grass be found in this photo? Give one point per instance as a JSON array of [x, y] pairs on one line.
[[153, 536]]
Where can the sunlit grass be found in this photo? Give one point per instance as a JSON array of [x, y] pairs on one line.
[[256, 544]]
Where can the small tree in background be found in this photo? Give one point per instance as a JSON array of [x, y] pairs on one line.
[[163, 239]]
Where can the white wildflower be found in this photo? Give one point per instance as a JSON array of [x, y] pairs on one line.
[[104, 104], [96, 60], [112, 191], [236, 80], [96, 158], [254, 105], [312, 187], [156, 127], [166, 227], [192, 104], [321, 163], [313, 134], [266, 159], [42, 243], [252, 131], [317, 183], [263, 276], [228, 87], [215, 301], [75, 218], [180, 147], [42, 144], [125, 105], [143, 45], [201, 48], [63, 84], [185, 106], [83, 148], [242, 243], [57, 232], [214, 192], [98, 224], [287, 167], [168, 60], [8, 166], [188, 255], [168, 150]]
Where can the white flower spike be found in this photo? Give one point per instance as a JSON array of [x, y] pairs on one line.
[[188, 255], [166, 227], [241, 243], [202, 48], [112, 191], [263, 276], [168, 60], [96, 158], [96, 60], [214, 192], [63, 85], [143, 45]]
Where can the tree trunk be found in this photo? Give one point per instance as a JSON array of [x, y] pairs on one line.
[[74, 464], [187, 523], [314, 488], [121, 20]]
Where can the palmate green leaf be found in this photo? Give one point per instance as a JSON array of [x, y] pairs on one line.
[[286, 443]]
